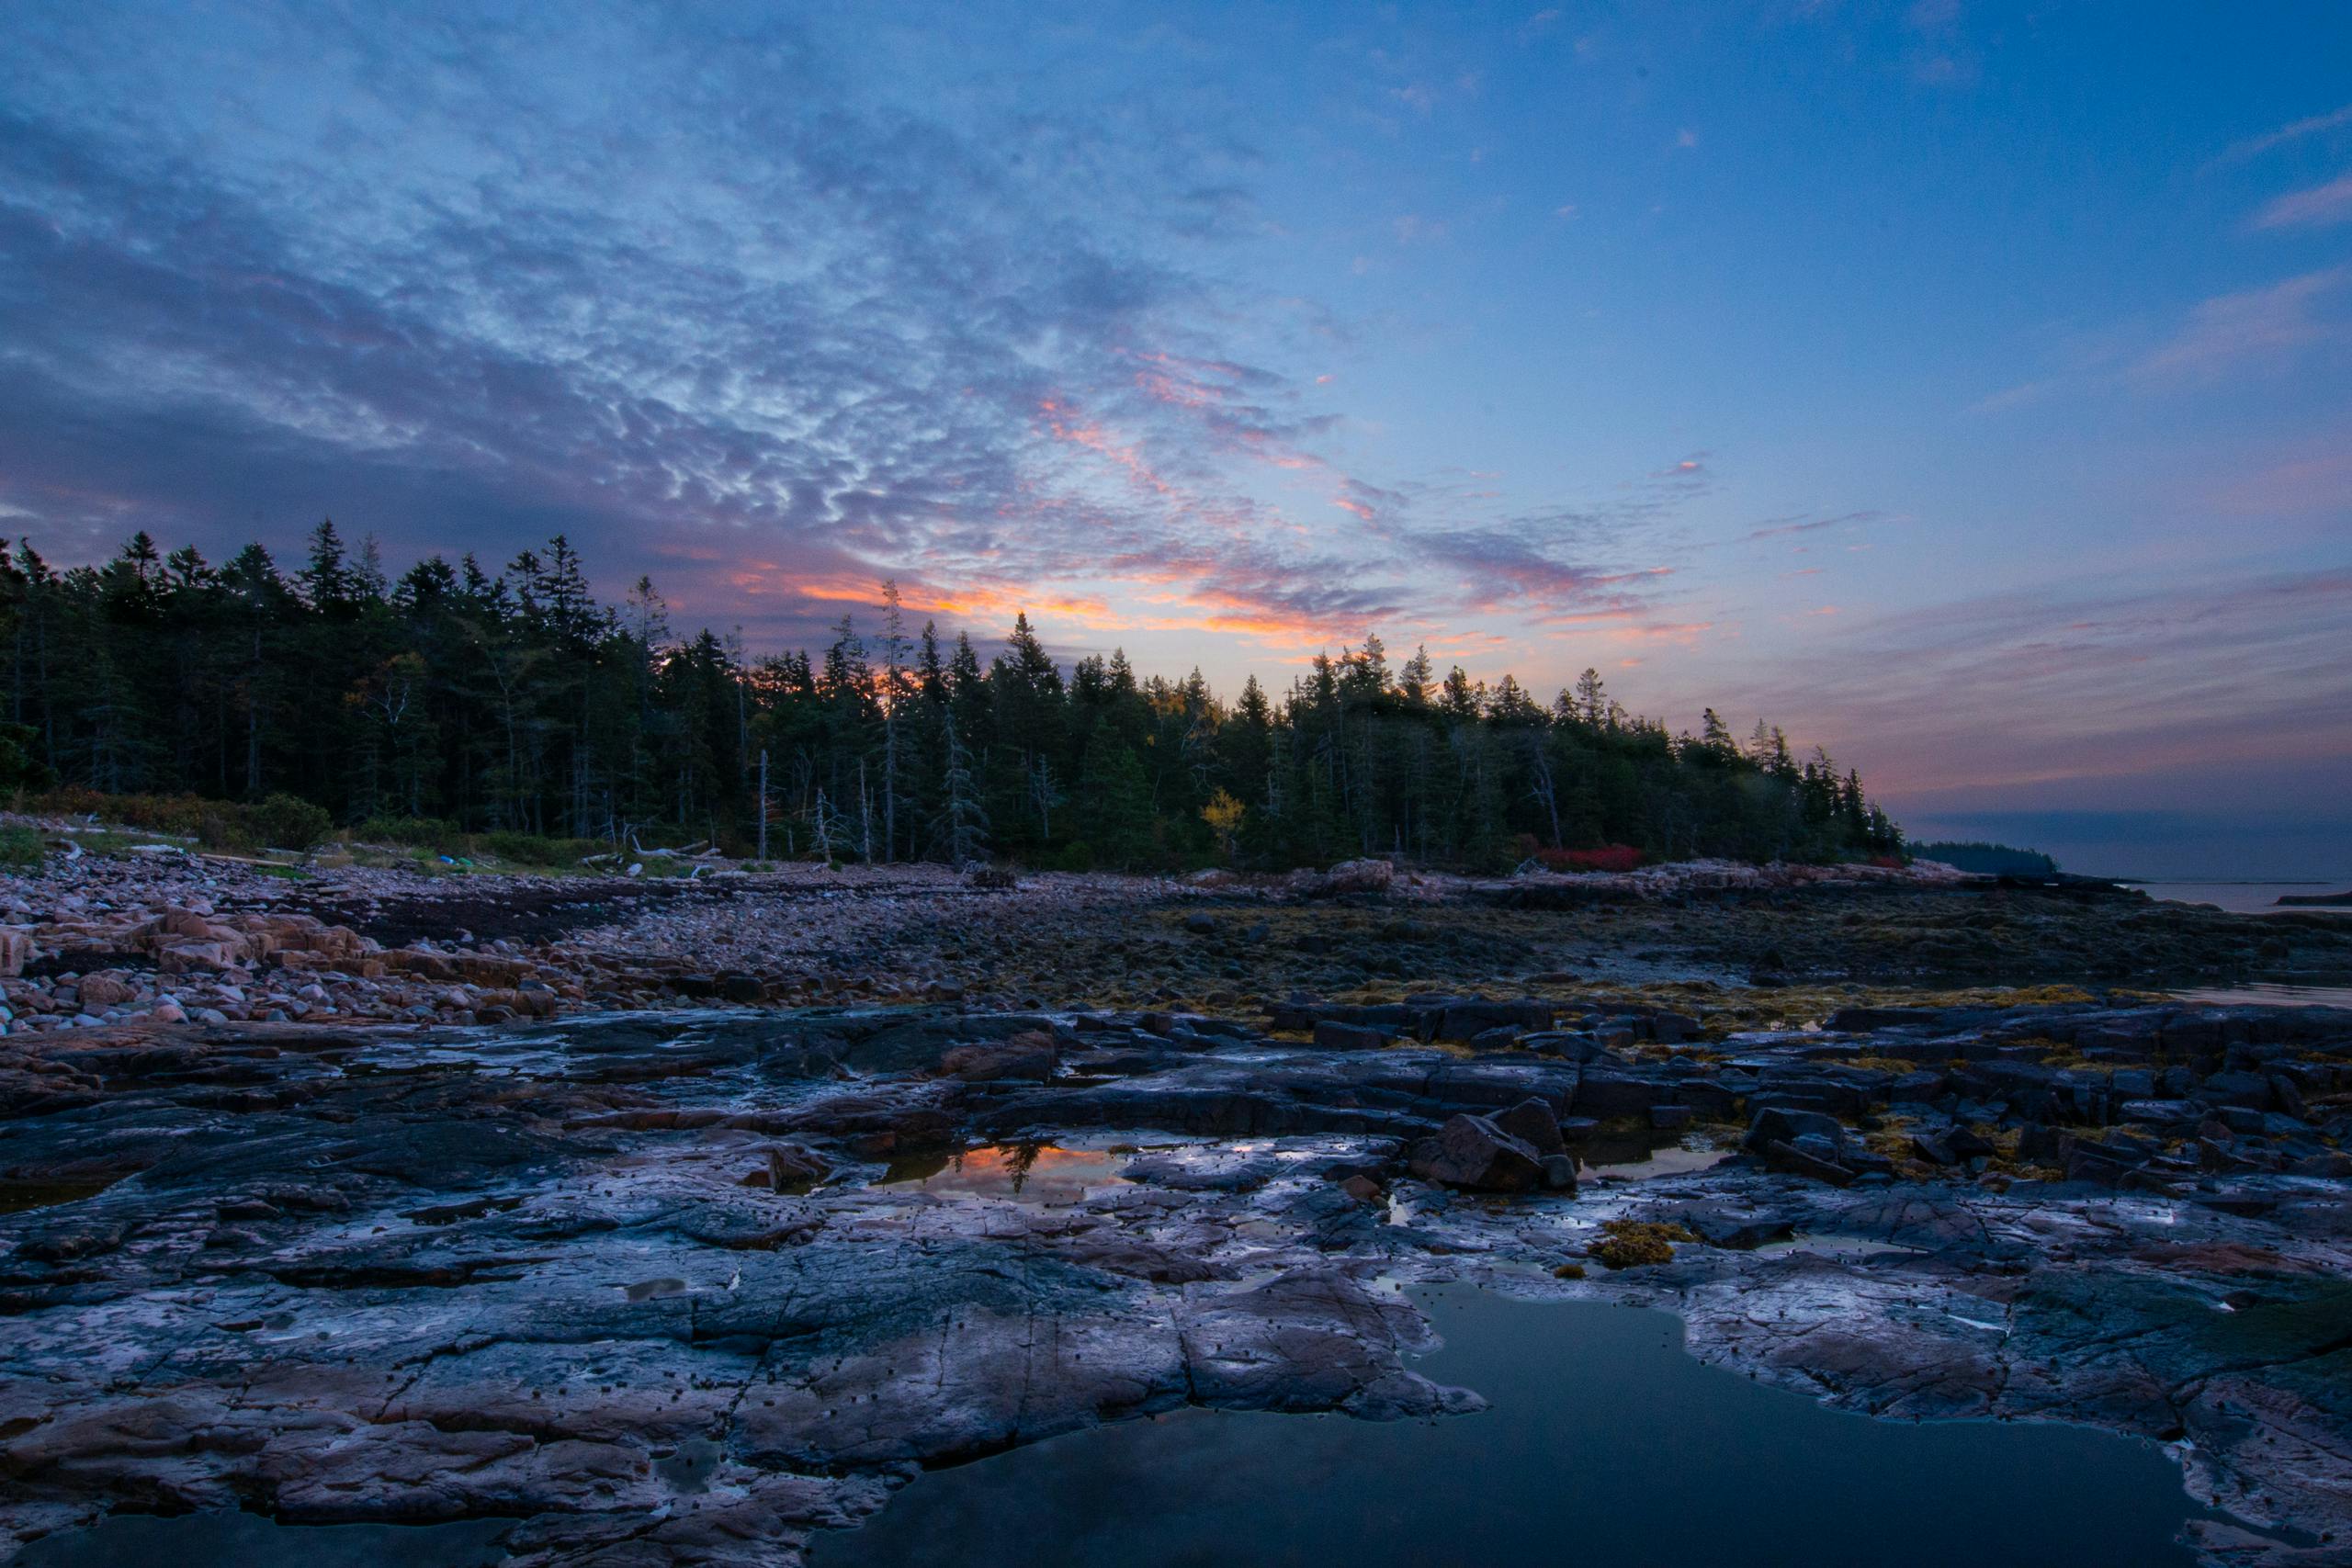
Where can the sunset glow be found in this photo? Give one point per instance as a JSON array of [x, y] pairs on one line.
[[1501, 335]]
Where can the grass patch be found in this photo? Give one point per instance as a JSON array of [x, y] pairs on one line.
[[21, 849]]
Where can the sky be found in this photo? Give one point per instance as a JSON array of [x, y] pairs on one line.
[[1965, 388]]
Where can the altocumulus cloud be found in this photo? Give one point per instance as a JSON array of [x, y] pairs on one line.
[[711, 296]]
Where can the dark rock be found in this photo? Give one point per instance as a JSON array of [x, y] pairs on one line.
[[1779, 1125], [2250, 1091], [1330, 1035], [1534, 1123], [1028, 1057], [1718, 1226], [1471, 1152], [1715, 1101], [1934, 1148], [1806, 1161], [1607, 1095]]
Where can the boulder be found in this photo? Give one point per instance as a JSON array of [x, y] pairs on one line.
[[1673, 1028], [1471, 1152], [1933, 1147], [107, 989], [1806, 1161], [423, 962], [1465, 1018], [1534, 1123], [1781, 1125], [1606, 1095], [1331, 1036], [186, 957], [1719, 1225], [489, 968], [1360, 876], [1028, 1056], [793, 1165]]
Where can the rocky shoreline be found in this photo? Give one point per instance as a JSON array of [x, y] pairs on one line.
[[110, 940], [658, 1275]]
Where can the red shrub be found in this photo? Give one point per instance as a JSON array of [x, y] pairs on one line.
[[1609, 857]]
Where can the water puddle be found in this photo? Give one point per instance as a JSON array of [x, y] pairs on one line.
[[1675, 1160], [2266, 995], [248, 1541], [1605, 1443], [16, 1197], [1835, 1246], [1048, 1174]]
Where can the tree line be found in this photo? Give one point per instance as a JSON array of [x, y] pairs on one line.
[[514, 701]]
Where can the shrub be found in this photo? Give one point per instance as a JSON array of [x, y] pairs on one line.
[[1608, 857], [182, 815], [288, 822], [412, 832], [21, 849], [224, 827], [529, 849], [18, 769], [1077, 856]]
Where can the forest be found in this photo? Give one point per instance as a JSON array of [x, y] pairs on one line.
[[1991, 860], [454, 698]]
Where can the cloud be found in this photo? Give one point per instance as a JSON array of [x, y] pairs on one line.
[[1782, 527], [2230, 329], [2254, 147], [2079, 681], [2319, 481], [2320, 204], [722, 314]]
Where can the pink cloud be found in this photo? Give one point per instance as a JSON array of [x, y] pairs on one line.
[[2330, 203], [2231, 328]]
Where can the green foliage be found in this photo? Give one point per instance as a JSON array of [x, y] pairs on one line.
[[463, 709], [1992, 860], [410, 833], [179, 816], [18, 768], [527, 849], [227, 829], [287, 822], [21, 849]]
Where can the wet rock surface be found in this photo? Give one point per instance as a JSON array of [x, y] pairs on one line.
[[417, 1274]]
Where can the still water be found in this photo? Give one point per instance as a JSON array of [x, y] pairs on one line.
[[1605, 1444], [1050, 1174], [2247, 898], [2259, 993], [248, 1541]]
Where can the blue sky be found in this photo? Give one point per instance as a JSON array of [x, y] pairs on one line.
[[1967, 388]]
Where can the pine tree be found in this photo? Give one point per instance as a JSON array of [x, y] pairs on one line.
[[962, 830]]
